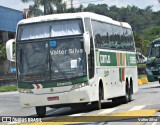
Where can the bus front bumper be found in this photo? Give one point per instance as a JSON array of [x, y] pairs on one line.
[[81, 95]]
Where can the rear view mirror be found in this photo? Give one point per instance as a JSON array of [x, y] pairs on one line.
[[86, 38], [9, 50]]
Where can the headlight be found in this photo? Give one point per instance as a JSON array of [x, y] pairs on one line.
[[24, 90], [80, 85]]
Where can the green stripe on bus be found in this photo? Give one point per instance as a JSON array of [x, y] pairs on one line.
[[131, 59], [110, 59], [120, 74], [121, 59], [52, 84]]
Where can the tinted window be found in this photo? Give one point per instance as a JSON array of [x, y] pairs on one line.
[[112, 36]]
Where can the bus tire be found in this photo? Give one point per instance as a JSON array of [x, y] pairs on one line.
[[41, 111], [130, 90], [97, 104], [127, 98]]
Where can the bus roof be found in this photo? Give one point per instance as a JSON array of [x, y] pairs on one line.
[[73, 16]]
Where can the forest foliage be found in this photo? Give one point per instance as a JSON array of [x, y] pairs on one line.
[[144, 22]]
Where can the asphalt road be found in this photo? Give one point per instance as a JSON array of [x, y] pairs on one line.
[[145, 103]]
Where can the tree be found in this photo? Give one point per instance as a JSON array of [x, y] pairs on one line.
[[34, 11], [60, 6], [2, 51], [141, 43], [152, 33], [50, 6]]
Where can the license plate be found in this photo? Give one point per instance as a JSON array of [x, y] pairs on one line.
[[52, 98]]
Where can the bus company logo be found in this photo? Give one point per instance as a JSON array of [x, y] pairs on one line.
[[105, 59], [64, 84], [132, 59]]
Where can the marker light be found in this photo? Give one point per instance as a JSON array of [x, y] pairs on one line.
[[80, 85]]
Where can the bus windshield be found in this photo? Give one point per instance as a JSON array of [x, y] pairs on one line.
[[53, 59], [155, 52], [51, 50], [50, 29]]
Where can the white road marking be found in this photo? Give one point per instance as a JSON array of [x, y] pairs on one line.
[[14, 123], [107, 111], [154, 123], [77, 114], [137, 107]]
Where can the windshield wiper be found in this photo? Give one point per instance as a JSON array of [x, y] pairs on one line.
[[158, 56]]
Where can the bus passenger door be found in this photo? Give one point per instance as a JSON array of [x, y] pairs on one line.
[[103, 70]]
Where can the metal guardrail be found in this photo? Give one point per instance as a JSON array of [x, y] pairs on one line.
[[141, 70], [8, 80]]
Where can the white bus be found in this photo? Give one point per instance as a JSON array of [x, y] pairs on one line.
[[74, 59]]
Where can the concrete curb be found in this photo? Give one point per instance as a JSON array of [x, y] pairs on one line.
[[9, 93], [142, 80]]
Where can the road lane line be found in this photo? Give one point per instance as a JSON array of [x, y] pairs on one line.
[[137, 107], [81, 120], [107, 111], [77, 114], [154, 123]]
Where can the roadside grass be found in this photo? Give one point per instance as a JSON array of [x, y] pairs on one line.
[[8, 88]]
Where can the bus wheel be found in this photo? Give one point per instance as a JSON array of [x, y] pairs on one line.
[[128, 97], [41, 111], [130, 90], [97, 104]]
